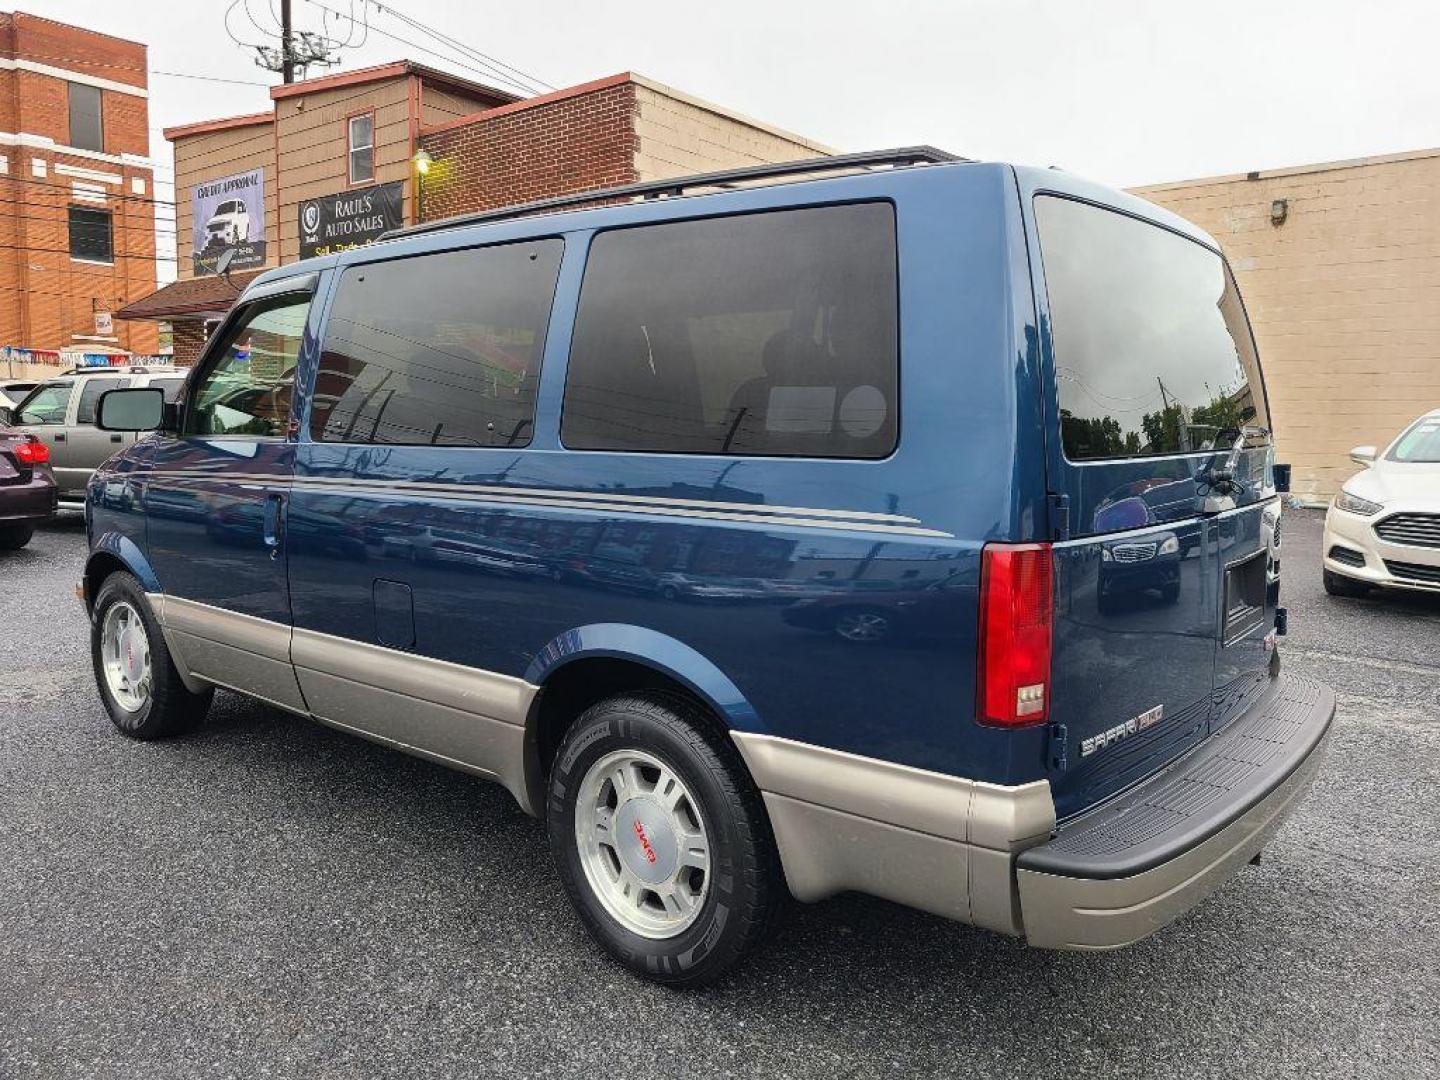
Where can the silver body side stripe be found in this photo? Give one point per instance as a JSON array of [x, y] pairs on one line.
[[608, 502]]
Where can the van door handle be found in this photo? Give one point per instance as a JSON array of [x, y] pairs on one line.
[[274, 504], [59, 436], [116, 437]]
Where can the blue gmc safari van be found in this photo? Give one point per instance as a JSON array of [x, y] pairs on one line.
[[911, 527]]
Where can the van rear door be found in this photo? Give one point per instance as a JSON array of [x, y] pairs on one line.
[[1156, 447]]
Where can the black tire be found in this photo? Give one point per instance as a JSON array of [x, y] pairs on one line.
[[15, 537], [1170, 593], [745, 889], [1340, 585], [170, 709]]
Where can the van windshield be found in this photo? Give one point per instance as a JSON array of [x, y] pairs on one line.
[[1152, 350]]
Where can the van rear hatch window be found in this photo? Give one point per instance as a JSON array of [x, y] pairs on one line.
[[1152, 350]]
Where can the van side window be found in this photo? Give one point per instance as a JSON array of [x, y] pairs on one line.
[[771, 333], [250, 377], [439, 350], [1153, 354], [90, 393]]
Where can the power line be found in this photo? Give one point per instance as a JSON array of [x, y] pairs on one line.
[[208, 78], [537, 84], [66, 187], [487, 74]]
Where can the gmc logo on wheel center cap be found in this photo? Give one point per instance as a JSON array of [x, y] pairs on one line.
[[644, 841]]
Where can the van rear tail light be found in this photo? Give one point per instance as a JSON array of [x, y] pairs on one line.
[[1017, 607], [32, 452]]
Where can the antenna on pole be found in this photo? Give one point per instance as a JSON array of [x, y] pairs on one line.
[[299, 50]]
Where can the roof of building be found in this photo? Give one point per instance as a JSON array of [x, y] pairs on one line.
[[516, 104], [360, 76], [1292, 170], [194, 297], [203, 127], [392, 70]]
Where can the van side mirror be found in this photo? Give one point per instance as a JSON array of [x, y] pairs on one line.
[[1282, 478], [1363, 455], [7, 415], [133, 408]]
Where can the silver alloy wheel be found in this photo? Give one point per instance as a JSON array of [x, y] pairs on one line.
[[125, 656], [642, 843], [862, 626]]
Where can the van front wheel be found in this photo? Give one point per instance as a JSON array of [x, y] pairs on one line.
[[137, 680], [661, 840]]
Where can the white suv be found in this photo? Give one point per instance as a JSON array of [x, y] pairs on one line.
[[230, 224], [1384, 526]]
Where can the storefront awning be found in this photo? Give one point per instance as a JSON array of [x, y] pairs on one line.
[[193, 298]]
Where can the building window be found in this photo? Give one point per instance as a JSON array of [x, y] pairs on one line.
[[87, 131], [362, 148], [91, 238]]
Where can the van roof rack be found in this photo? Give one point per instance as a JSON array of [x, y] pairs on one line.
[[678, 185]]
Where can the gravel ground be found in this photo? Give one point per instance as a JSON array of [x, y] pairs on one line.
[[269, 897]]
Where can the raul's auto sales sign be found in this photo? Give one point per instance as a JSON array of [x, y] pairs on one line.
[[229, 213], [350, 219]]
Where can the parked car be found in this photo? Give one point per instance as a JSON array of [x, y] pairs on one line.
[[1133, 567], [60, 412], [229, 225], [12, 392], [722, 383], [871, 612], [27, 489], [1383, 528]]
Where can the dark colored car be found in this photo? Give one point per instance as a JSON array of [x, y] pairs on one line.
[[827, 393], [27, 489], [872, 612]]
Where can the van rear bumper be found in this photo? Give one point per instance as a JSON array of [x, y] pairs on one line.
[[1121, 872]]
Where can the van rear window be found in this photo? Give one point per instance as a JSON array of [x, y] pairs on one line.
[[762, 334], [1152, 350]]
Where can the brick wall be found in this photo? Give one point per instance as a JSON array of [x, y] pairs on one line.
[[48, 299], [1344, 297], [577, 140], [189, 339]]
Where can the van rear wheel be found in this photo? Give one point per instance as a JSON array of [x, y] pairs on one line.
[[137, 679], [661, 840]]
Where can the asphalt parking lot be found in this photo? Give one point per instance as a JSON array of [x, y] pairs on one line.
[[268, 897]]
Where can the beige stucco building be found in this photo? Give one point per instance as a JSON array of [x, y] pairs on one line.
[[1339, 264]]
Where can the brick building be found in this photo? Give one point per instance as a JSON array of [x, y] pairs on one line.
[[1339, 265], [77, 220], [331, 165]]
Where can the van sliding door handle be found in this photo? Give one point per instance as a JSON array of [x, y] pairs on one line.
[[273, 516]]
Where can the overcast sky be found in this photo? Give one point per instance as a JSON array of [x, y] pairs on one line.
[[1123, 91]]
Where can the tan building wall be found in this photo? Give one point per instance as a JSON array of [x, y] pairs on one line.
[[215, 154], [1344, 297], [679, 135], [311, 133], [438, 105]]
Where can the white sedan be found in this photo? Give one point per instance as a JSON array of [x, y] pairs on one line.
[[1384, 526]]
